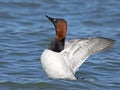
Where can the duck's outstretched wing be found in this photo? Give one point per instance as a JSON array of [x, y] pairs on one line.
[[78, 50]]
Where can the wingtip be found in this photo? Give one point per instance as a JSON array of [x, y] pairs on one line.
[[109, 39], [112, 41]]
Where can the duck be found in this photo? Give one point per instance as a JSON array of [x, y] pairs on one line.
[[62, 58]]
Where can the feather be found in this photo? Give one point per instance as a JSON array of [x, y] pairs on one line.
[[78, 50]]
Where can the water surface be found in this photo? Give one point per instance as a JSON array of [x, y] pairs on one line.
[[25, 33]]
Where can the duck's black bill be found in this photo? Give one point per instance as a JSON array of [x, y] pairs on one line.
[[50, 18]]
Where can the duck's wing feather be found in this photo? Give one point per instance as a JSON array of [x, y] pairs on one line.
[[78, 50]]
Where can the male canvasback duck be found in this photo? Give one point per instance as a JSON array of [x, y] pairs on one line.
[[63, 58]]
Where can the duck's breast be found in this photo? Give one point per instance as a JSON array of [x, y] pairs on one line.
[[54, 64]]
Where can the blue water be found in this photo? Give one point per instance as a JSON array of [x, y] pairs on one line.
[[25, 33]]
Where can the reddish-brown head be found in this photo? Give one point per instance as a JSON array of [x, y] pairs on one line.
[[60, 27]]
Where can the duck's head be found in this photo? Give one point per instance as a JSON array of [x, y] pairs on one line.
[[60, 27]]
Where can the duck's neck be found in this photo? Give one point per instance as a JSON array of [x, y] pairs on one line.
[[57, 45]]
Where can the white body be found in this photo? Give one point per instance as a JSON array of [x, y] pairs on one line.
[[64, 64], [55, 65]]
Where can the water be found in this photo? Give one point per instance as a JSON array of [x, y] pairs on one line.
[[25, 33]]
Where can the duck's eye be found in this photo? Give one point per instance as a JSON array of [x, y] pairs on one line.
[[55, 20]]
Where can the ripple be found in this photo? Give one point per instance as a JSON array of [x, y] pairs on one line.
[[92, 23], [25, 33]]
